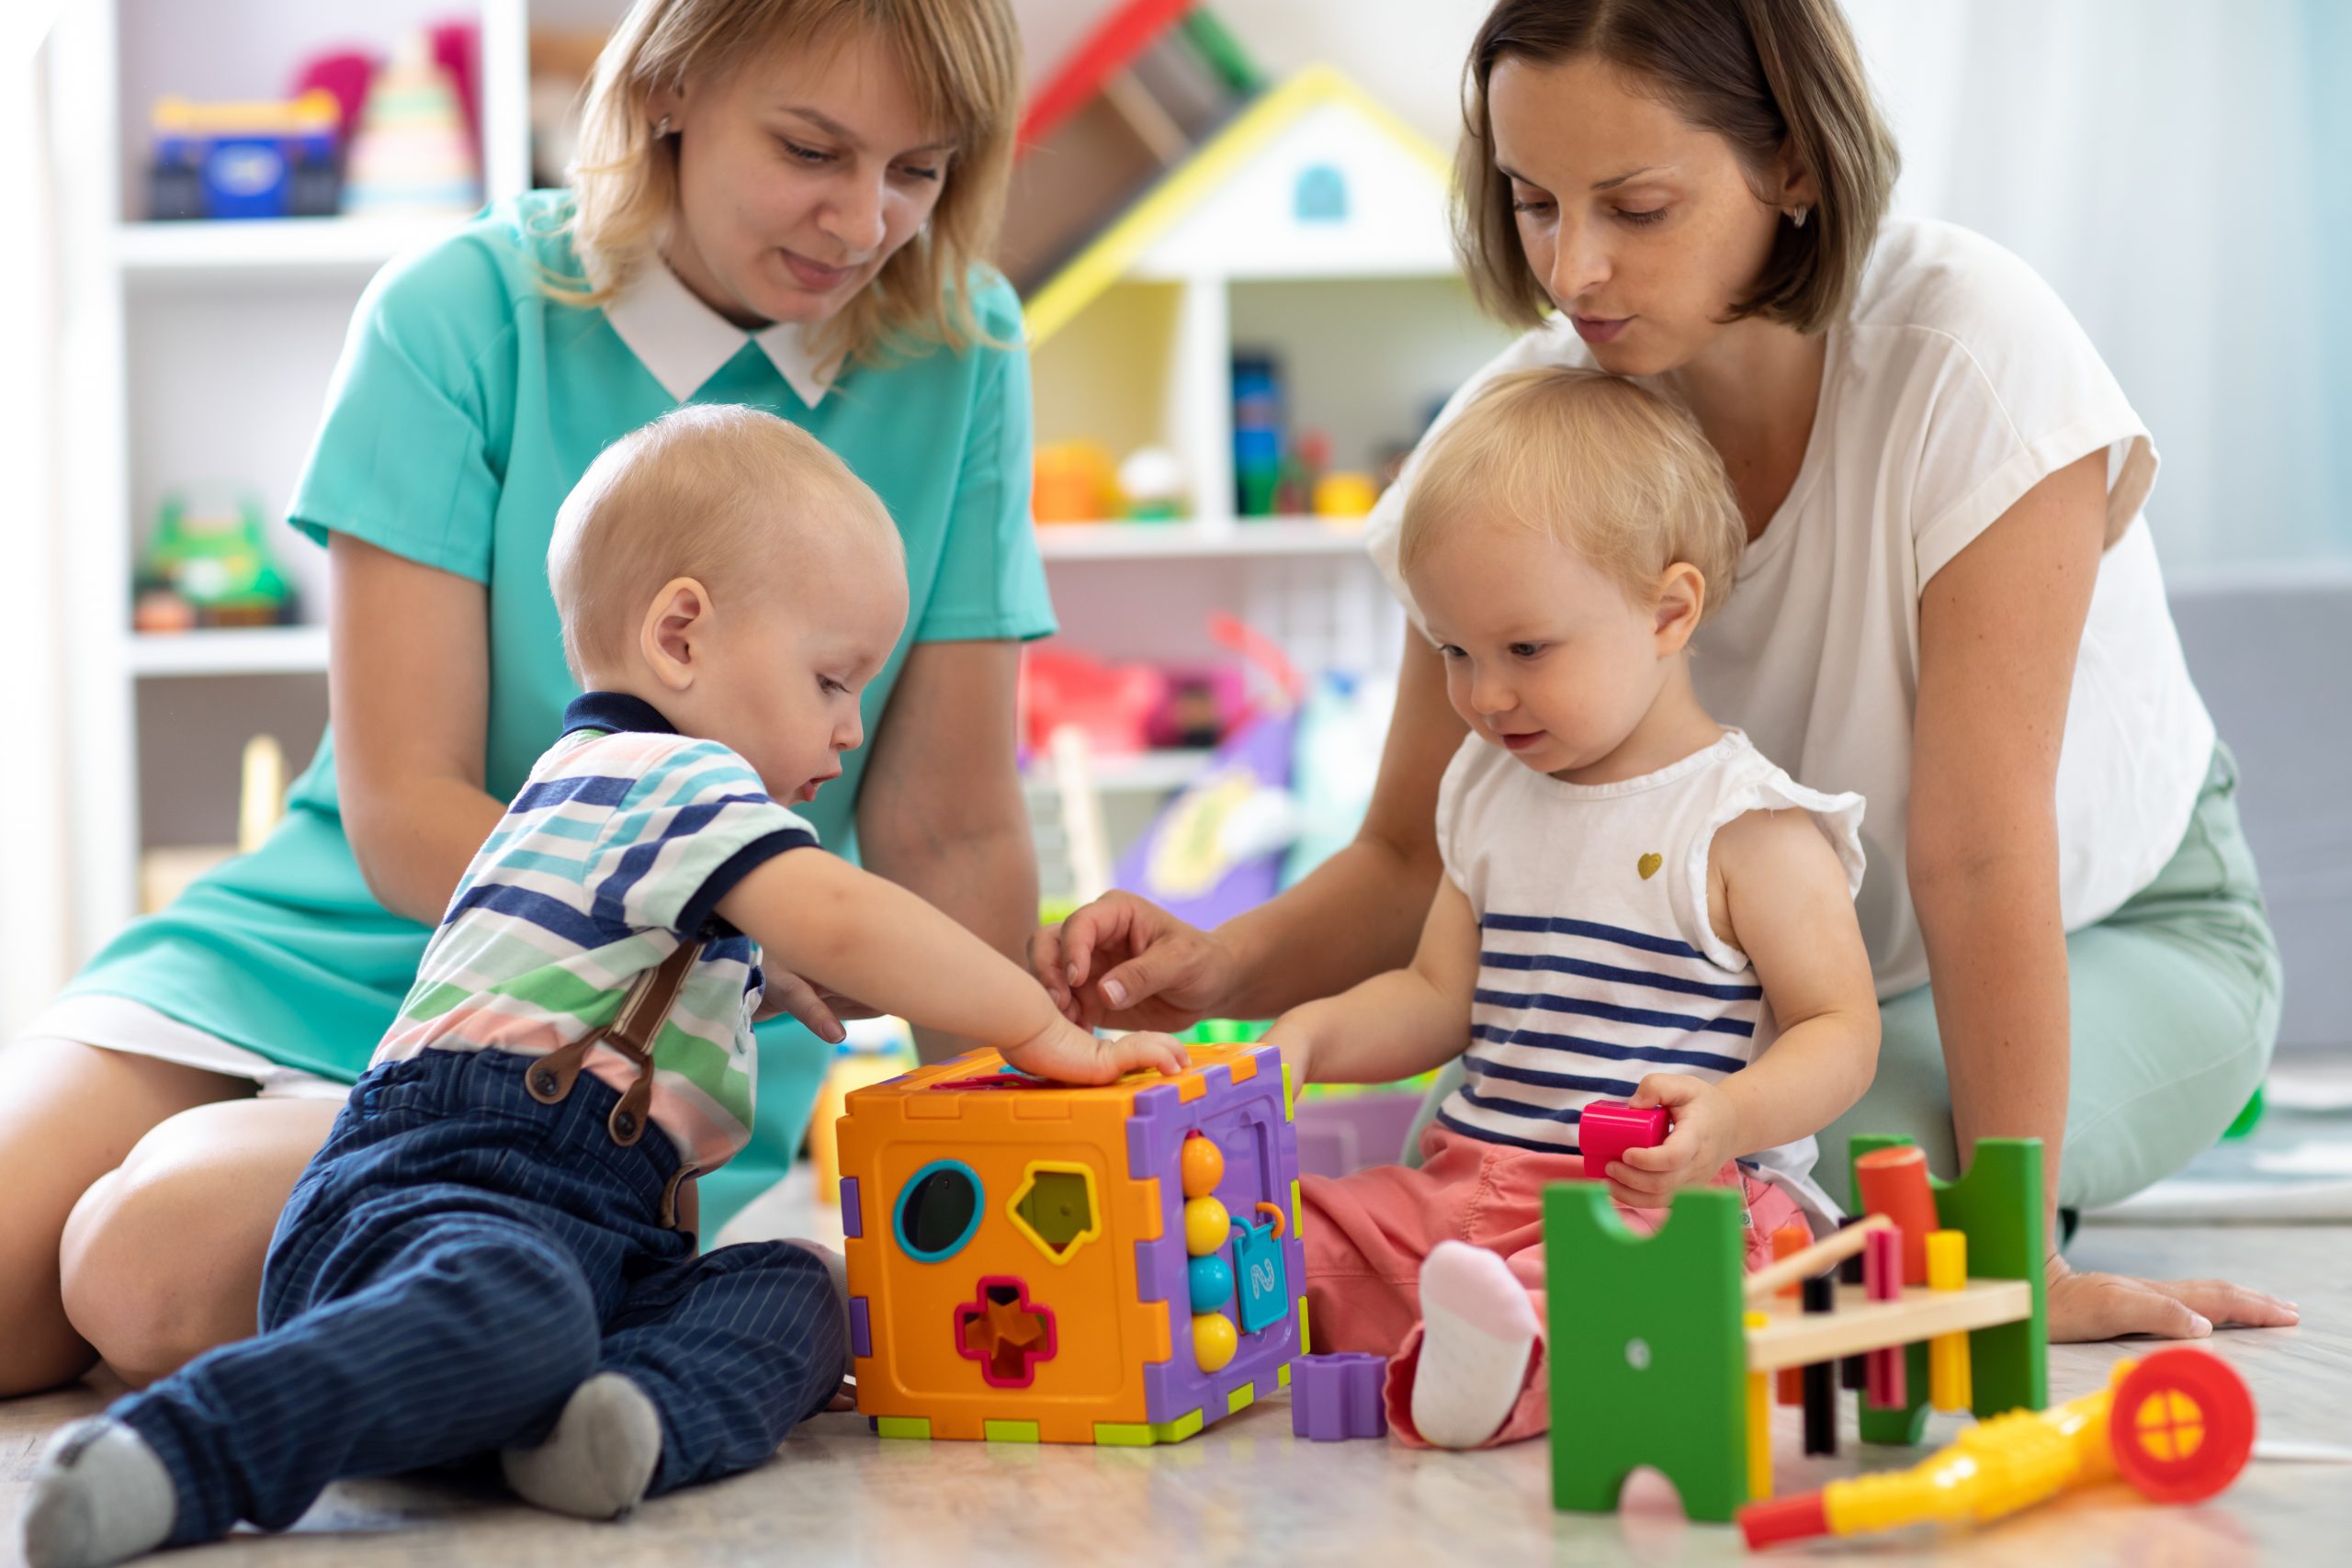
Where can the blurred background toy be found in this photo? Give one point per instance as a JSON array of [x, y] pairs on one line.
[[1135, 98], [1073, 482], [414, 150], [209, 564], [1152, 480], [245, 160]]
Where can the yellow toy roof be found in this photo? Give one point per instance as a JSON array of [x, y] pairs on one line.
[[1229, 209]]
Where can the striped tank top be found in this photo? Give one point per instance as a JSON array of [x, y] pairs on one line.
[[1597, 962]]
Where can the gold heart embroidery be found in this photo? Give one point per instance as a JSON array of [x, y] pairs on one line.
[[1649, 865]]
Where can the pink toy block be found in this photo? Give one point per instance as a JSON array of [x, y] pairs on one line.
[[1609, 1127]]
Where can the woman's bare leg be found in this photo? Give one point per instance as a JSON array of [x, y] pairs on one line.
[[68, 1115], [161, 1257]]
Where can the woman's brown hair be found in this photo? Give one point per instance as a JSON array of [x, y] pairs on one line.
[[1756, 73], [963, 60]]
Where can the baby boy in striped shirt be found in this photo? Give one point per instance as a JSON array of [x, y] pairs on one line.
[[488, 1254]]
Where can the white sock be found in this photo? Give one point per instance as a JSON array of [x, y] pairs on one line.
[[599, 1459], [100, 1496], [1477, 1331]]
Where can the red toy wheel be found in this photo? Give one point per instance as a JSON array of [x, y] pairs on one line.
[[2181, 1425]]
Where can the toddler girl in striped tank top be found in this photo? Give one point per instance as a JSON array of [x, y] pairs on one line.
[[1636, 905]]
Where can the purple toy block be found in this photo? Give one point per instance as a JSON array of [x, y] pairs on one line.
[[853, 1216], [1338, 1396], [861, 1332]]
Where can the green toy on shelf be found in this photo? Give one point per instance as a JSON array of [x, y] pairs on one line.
[[209, 564]]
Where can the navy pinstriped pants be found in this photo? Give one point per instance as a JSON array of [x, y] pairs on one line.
[[457, 1260]]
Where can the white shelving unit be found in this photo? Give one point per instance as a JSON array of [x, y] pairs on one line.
[[200, 353], [267, 650], [195, 354]]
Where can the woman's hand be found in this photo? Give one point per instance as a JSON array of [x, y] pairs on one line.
[[2107, 1306], [1705, 1134], [1124, 962]]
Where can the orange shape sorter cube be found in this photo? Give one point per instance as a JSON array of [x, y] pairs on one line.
[[1036, 1262]]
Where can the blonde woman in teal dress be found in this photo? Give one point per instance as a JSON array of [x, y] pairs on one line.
[[780, 203]]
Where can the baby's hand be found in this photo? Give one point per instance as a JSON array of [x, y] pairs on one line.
[[1705, 1134], [1066, 1054]]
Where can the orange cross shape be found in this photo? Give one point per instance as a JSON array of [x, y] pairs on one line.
[[1005, 1333]]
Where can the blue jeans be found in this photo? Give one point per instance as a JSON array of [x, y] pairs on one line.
[[457, 1259]]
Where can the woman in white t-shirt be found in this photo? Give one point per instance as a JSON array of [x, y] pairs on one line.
[[1950, 603]]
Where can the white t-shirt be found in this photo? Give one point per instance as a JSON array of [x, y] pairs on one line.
[[1598, 964], [1957, 382]]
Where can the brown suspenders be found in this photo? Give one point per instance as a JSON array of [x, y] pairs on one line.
[[633, 1032]]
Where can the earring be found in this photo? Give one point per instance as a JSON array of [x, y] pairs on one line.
[[1797, 218], [662, 129]]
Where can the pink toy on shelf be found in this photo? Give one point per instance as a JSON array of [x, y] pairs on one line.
[[1338, 1396], [1609, 1127]]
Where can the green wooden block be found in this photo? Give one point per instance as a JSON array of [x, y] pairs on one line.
[[902, 1426], [1240, 1399], [1998, 1205], [1009, 1431], [1649, 1348]]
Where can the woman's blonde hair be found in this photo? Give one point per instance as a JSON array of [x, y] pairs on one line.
[[962, 62], [1615, 473], [1756, 73]]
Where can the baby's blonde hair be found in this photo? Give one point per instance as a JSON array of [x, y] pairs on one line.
[[962, 59], [1613, 473], [724, 494]]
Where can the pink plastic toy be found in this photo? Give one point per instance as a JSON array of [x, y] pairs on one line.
[[1609, 1127]]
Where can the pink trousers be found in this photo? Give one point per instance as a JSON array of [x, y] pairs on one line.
[[1366, 1235]]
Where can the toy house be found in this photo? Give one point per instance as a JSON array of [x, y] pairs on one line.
[[1036, 1262]]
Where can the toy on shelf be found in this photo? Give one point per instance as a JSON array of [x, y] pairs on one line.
[[1259, 421], [1335, 1397], [1036, 1262], [1151, 483], [1672, 1322], [1110, 705], [1073, 482], [209, 564], [243, 160], [412, 152], [2177, 1425], [1345, 495], [1140, 92]]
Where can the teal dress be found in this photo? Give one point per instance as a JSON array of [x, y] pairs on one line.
[[466, 403]]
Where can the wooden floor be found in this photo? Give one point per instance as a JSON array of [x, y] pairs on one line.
[[1245, 1492]]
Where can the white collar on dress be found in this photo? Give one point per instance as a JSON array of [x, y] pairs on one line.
[[685, 343]]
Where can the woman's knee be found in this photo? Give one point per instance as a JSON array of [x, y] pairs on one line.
[[162, 1259], [68, 1115]]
